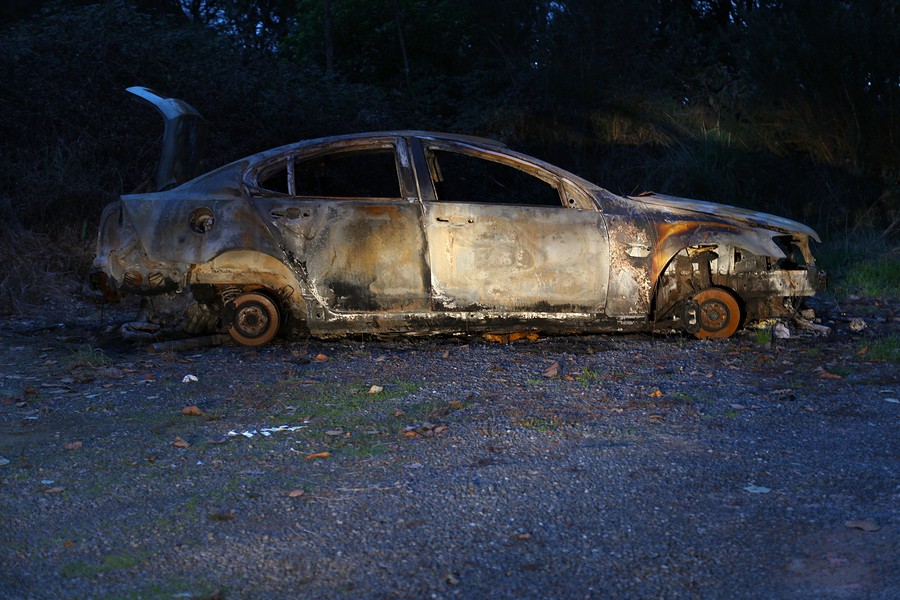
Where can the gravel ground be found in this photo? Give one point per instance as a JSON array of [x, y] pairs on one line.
[[567, 467]]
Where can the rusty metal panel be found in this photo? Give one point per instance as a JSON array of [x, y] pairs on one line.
[[517, 258], [355, 255], [631, 252]]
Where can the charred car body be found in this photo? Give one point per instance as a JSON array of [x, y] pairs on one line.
[[419, 232]]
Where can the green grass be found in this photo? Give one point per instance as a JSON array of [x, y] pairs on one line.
[[540, 423], [886, 349], [763, 336], [861, 266], [110, 562], [586, 376], [87, 357]]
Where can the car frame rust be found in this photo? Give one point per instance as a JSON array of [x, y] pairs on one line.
[[301, 238]]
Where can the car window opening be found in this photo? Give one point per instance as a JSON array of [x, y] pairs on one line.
[[459, 177], [368, 174]]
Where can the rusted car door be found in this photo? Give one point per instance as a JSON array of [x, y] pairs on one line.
[[350, 226], [501, 240]]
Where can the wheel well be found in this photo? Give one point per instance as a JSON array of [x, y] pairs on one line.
[[242, 271], [690, 270]]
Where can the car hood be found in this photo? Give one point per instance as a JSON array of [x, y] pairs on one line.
[[742, 216]]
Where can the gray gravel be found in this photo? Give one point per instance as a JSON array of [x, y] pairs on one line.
[[645, 467]]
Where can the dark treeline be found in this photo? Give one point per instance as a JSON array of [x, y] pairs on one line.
[[787, 106]]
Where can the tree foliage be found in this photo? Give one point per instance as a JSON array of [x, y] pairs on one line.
[[785, 105]]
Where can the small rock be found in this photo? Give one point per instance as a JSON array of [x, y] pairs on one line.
[[781, 331], [863, 524]]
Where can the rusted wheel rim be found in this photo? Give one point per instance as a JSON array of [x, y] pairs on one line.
[[256, 319], [719, 313]]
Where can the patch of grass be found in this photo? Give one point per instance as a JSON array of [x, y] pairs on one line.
[[763, 336], [363, 417], [540, 423], [684, 397], [586, 376], [110, 562], [886, 349], [863, 266], [87, 357]]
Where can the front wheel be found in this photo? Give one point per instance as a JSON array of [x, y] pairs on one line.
[[256, 319], [718, 311]]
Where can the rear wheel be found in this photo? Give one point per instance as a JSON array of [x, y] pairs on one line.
[[718, 311], [256, 319]]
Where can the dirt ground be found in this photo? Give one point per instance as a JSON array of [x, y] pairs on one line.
[[583, 466]]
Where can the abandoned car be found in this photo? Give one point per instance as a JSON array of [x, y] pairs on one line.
[[418, 232]]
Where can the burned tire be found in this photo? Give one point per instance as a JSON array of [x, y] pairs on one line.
[[719, 313], [256, 319]]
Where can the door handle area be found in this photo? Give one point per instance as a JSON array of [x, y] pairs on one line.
[[290, 213], [456, 220]]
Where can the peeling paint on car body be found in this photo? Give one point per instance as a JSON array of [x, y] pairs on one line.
[[420, 232]]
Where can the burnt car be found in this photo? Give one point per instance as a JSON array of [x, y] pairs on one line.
[[418, 232]]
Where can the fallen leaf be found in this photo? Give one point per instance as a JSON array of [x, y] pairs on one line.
[[54, 490], [318, 455], [522, 536], [823, 374], [180, 443], [446, 354], [73, 446], [863, 524], [552, 370], [191, 411], [295, 493], [221, 515], [30, 390], [656, 394], [321, 358], [376, 389], [657, 417], [68, 544], [398, 413], [862, 351]]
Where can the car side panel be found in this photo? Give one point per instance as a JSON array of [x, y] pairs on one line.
[[517, 258], [354, 255]]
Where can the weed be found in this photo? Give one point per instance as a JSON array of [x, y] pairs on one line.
[[863, 267], [683, 397], [586, 376], [540, 423], [110, 562], [886, 348], [87, 357], [763, 336]]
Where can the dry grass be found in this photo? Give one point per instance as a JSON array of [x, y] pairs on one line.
[[39, 267]]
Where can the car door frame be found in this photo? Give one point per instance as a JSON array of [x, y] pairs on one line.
[[316, 233], [556, 230]]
